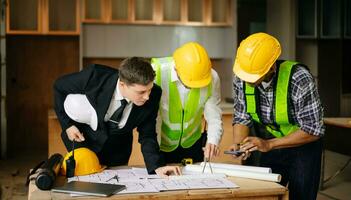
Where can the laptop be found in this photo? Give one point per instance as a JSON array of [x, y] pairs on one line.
[[87, 188]]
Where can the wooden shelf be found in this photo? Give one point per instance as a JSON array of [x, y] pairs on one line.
[[119, 11], [347, 19], [323, 19], [63, 17], [306, 19], [331, 12], [36, 17], [93, 11], [23, 16], [171, 11], [220, 13], [159, 12]]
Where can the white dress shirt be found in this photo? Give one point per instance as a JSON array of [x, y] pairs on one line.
[[115, 104], [212, 110]]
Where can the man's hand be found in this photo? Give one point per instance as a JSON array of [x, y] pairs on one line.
[[168, 170], [255, 144], [211, 150], [243, 156], [74, 134]]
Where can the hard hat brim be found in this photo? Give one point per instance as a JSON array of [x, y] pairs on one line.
[[243, 75], [196, 84], [77, 102]]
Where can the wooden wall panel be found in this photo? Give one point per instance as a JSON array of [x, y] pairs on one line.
[[33, 63]]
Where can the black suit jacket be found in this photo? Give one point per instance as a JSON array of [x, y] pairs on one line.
[[98, 83]]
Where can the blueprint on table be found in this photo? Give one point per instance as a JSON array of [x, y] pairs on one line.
[[137, 180]]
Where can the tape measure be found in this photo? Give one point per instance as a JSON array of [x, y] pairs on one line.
[[187, 161]]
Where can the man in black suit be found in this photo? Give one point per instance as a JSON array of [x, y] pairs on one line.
[[106, 89]]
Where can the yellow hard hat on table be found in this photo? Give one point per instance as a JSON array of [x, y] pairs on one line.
[[86, 162], [255, 56], [193, 65]]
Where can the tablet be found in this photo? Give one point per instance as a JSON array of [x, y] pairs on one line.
[[87, 188]]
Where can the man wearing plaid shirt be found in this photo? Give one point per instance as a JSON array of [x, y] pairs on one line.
[[279, 100]]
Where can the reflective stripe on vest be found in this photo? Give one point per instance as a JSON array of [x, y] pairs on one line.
[[282, 125], [179, 125]]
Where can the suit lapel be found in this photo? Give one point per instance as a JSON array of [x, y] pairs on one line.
[[103, 99], [133, 116]]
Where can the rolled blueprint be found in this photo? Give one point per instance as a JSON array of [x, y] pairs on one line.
[[235, 172], [240, 167]]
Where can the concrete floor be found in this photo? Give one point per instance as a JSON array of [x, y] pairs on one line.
[[13, 174]]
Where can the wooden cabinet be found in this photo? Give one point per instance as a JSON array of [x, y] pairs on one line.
[[331, 19], [327, 25], [159, 12], [23, 16], [325, 19], [119, 11], [144, 11], [63, 17], [306, 19], [171, 11], [220, 12], [49, 17], [347, 19], [93, 11], [195, 12]]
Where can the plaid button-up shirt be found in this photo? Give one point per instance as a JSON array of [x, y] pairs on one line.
[[306, 112]]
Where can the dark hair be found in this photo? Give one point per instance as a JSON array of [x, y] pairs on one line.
[[136, 70]]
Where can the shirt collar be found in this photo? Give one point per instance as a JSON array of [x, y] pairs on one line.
[[118, 95], [269, 84], [266, 85]]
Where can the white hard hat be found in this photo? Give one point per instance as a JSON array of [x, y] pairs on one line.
[[79, 109]]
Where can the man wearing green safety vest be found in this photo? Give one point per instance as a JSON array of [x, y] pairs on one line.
[[190, 90], [279, 101]]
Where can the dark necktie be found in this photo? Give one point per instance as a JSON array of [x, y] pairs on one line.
[[116, 116]]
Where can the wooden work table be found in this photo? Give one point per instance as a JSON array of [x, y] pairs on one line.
[[338, 121], [337, 137], [249, 189]]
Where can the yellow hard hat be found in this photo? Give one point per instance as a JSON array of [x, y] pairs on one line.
[[255, 56], [86, 162], [193, 65]]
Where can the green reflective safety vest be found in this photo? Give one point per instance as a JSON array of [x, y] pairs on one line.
[[180, 125], [282, 125]]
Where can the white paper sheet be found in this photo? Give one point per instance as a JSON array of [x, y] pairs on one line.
[[190, 182], [137, 180]]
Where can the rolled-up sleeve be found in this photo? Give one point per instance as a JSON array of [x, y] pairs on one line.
[[213, 112], [239, 112], [307, 105]]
